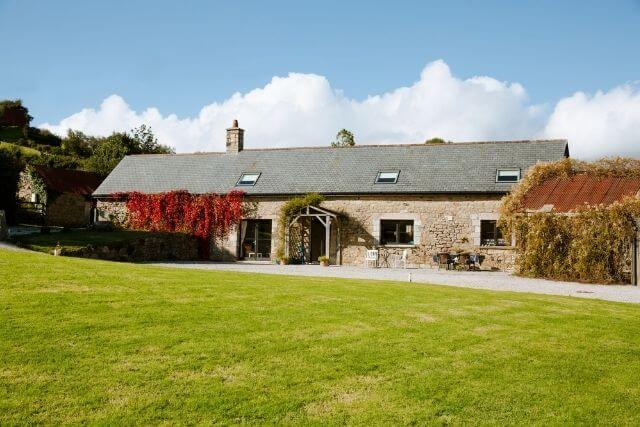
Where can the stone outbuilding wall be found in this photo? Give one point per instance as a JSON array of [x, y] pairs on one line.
[[62, 209], [441, 223]]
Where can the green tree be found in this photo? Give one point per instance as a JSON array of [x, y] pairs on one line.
[[108, 153], [435, 141], [78, 144], [13, 113], [11, 163], [344, 138], [145, 142]]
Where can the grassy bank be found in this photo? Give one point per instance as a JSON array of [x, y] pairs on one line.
[[87, 341]]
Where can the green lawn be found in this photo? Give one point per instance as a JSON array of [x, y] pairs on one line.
[[76, 239], [86, 341]]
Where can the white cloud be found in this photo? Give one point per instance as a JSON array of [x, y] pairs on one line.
[[304, 110], [605, 124]]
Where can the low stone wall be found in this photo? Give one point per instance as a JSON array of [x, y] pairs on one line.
[[178, 247]]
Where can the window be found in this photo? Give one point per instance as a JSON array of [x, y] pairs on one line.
[[508, 175], [255, 238], [396, 232], [387, 177], [248, 179], [490, 234]]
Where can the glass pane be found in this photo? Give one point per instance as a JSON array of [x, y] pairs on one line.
[[508, 175], [256, 238], [394, 232], [387, 177], [248, 178]]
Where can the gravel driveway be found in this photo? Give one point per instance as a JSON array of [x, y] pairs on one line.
[[496, 281]]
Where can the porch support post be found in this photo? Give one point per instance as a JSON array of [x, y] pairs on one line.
[[286, 241], [327, 229]]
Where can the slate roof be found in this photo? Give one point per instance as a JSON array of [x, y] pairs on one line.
[[424, 169], [564, 195], [68, 181]]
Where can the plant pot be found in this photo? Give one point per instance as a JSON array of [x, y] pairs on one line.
[[284, 261], [324, 263]]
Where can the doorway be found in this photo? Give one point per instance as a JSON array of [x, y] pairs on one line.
[[317, 240], [255, 239]]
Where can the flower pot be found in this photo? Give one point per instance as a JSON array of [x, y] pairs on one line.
[[284, 261], [324, 263]]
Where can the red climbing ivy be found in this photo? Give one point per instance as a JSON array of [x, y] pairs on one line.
[[205, 216]]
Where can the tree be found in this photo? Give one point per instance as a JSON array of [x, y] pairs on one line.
[[108, 153], [435, 141], [344, 138], [13, 113], [145, 142], [11, 163], [78, 144]]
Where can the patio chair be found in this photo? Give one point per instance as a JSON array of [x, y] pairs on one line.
[[371, 257], [401, 260], [446, 260]]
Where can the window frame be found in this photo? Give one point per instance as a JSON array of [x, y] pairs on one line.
[[497, 234], [508, 170], [397, 224], [396, 172], [243, 174]]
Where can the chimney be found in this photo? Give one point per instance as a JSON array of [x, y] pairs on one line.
[[235, 138]]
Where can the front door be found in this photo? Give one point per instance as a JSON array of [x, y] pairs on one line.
[[255, 239]]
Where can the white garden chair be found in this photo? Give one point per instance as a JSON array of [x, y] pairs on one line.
[[401, 260], [371, 257]]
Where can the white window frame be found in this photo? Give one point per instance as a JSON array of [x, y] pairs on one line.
[[256, 174], [396, 172], [517, 170]]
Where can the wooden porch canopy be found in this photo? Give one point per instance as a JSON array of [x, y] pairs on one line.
[[326, 218]]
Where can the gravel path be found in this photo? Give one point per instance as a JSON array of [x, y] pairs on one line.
[[496, 281], [10, 247]]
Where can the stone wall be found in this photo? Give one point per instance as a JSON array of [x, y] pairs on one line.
[[441, 223], [113, 212], [68, 210], [153, 248], [63, 210]]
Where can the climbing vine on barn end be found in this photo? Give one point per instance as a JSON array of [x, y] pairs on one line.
[[590, 243], [205, 216]]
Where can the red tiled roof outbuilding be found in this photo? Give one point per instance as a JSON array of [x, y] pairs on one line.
[[69, 181], [564, 195]]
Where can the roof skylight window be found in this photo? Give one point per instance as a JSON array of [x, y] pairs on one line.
[[389, 177], [508, 175], [248, 179]]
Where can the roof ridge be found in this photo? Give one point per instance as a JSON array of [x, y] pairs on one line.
[[364, 146]]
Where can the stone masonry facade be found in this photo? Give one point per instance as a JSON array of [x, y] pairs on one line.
[[63, 210], [441, 223]]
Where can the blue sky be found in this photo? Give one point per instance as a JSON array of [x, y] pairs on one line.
[[178, 57]]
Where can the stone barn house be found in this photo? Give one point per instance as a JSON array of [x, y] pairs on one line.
[[57, 197], [414, 199]]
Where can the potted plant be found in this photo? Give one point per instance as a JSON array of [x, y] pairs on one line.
[[324, 261], [284, 260]]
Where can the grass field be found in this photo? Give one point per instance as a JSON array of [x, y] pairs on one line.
[[76, 239], [87, 341]]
